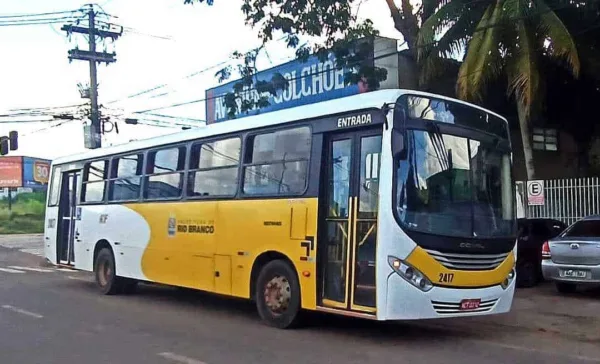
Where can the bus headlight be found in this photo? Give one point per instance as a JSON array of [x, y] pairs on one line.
[[410, 274], [506, 282]]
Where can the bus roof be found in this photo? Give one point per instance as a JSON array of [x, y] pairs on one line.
[[374, 99]]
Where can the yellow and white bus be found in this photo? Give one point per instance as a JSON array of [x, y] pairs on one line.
[[388, 205]]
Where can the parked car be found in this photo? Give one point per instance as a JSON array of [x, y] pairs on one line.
[[532, 235], [573, 257]]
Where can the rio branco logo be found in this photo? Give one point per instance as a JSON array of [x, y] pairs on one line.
[[172, 229]]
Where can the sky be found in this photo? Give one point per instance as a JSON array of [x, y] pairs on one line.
[[35, 70]]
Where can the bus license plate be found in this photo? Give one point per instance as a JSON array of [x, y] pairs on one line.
[[470, 304]]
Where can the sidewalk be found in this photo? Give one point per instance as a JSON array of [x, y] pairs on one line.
[[27, 243]]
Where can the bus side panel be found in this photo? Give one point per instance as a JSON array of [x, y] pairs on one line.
[[182, 243], [123, 228], [185, 237], [51, 226], [248, 228]]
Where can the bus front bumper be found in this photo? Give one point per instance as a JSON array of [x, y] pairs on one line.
[[406, 302]]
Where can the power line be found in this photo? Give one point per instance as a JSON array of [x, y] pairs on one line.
[[167, 84], [57, 21], [130, 30], [2, 16], [36, 19], [49, 107], [173, 117], [49, 127], [249, 90], [183, 78]]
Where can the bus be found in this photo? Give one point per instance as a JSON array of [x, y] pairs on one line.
[[388, 205]]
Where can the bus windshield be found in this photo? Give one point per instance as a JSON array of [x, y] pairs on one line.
[[454, 186]]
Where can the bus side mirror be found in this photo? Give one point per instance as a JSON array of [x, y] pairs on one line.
[[398, 144]]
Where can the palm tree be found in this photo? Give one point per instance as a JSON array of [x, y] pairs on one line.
[[500, 38]]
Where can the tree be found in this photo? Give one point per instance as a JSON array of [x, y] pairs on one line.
[[334, 22], [501, 38], [569, 100]]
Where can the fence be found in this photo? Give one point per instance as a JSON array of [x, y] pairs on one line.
[[566, 200]]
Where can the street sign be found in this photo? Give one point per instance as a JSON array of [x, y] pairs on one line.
[[535, 193]]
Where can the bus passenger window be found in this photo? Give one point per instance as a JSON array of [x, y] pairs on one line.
[[94, 181], [164, 171], [277, 162], [55, 187], [214, 168], [125, 179]]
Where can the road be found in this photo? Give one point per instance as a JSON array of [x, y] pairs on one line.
[[56, 316]]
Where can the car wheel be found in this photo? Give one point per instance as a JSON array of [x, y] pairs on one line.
[[566, 287], [527, 275], [278, 295]]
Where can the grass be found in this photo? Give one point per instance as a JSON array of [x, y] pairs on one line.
[[26, 215]]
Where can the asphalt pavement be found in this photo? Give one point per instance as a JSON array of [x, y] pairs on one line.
[[50, 315]]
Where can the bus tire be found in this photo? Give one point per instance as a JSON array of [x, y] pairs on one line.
[[277, 295], [104, 269]]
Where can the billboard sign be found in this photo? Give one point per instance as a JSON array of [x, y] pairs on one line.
[[309, 82], [35, 172], [11, 172]]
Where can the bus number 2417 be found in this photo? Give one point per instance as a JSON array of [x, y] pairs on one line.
[[446, 277]]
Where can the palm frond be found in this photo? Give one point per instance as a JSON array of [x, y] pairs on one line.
[[452, 43], [450, 12], [562, 43], [482, 60], [429, 7], [523, 70]]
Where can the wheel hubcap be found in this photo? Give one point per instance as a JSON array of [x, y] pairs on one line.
[[277, 294], [104, 273]]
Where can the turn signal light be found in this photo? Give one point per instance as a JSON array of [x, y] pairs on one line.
[[546, 251]]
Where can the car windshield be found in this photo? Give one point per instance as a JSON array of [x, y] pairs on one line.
[[451, 185]]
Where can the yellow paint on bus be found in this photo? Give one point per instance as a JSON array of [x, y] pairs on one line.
[[438, 274], [212, 245]]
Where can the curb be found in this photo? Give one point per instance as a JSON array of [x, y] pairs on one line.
[[46, 263]]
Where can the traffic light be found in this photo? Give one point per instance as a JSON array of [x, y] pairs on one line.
[[4, 141], [13, 138]]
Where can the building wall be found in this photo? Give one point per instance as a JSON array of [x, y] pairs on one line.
[[562, 163]]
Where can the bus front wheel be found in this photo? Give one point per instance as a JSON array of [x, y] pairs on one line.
[[106, 278], [278, 294]]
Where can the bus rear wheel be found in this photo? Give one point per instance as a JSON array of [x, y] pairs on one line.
[[106, 278], [278, 295]]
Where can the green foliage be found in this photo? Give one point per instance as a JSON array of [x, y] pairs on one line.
[[26, 215], [330, 20], [502, 37]]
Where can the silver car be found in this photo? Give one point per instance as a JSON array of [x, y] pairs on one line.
[[573, 257]]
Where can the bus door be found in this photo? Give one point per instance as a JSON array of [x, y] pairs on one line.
[[68, 216], [348, 220]]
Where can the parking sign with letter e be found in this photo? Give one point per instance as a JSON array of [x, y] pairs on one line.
[[535, 193]]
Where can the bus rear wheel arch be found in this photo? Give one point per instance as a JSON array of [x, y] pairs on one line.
[[277, 294]]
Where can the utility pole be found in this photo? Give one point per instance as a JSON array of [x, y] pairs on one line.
[[93, 137], [95, 118]]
